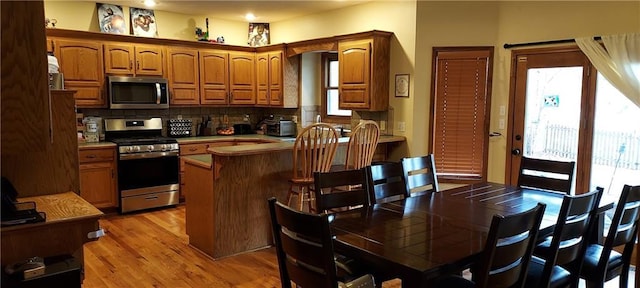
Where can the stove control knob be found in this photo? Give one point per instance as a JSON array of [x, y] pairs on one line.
[[163, 147], [150, 147], [136, 148], [129, 149]]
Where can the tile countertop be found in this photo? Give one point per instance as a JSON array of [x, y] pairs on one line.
[[284, 144], [247, 137], [96, 145], [271, 143]]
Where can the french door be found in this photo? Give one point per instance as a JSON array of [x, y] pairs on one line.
[[552, 110], [563, 109]]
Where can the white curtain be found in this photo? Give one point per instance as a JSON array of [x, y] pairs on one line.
[[618, 61]]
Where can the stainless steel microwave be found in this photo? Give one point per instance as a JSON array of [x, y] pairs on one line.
[[138, 92]]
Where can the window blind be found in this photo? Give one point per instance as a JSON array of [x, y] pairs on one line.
[[459, 114]]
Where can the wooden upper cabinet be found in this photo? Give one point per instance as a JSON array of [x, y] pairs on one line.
[[242, 78], [133, 60], [81, 63], [275, 78], [214, 77], [118, 59], [364, 72], [262, 78], [182, 65], [149, 60], [269, 78]]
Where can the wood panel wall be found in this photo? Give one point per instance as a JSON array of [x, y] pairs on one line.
[[54, 170], [24, 84], [35, 161]]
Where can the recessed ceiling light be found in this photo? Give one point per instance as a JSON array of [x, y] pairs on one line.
[[250, 17], [149, 3]]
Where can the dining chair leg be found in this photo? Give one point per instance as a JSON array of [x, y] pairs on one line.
[[289, 195], [301, 197], [624, 277]]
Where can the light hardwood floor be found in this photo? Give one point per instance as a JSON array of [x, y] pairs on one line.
[[151, 249]]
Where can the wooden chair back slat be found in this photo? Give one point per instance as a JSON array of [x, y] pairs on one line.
[[508, 249], [570, 235], [341, 189], [362, 145], [386, 182], [420, 175], [304, 247], [546, 174], [314, 150]]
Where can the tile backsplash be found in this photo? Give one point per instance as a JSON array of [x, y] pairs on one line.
[[306, 115], [236, 115]]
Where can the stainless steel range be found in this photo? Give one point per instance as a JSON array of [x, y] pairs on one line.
[[148, 164]]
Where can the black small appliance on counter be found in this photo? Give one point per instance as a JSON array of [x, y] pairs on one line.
[[241, 129]]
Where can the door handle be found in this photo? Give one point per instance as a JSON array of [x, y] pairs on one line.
[[515, 151]]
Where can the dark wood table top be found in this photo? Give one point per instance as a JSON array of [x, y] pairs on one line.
[[423, 237]]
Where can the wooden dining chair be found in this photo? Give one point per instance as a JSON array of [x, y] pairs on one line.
[[304, 248], [420, 174], [545, 174], [313, 151], [386, 182], [362, 145], [557, 261], [341, 190], [507, 252], [601, 262]]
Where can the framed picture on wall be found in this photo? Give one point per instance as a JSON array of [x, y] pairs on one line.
[[402, 85], [258, 34], [143, 22], [111, 19]]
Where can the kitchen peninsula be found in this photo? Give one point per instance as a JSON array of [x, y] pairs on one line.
[[227, 191]]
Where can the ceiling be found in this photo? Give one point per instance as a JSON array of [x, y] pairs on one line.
[[265, 11]]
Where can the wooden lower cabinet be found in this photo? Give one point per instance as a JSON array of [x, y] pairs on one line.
[[98, 174], [195, 149]]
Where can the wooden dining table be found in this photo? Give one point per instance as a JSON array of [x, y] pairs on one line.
[[420, 238]]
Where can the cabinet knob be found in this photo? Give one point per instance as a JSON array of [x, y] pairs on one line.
[[91, 156], [138, 65], [130, 64]]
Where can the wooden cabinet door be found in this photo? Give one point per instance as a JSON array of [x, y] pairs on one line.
[[214, 77], [262, 78], [241, 78], [81, 63], [182, 64], [148, 60], [354, 60], [118, 58], [275, 79], [97, 184]]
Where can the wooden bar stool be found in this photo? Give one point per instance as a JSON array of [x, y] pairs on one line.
[[313, 151], [362, 145]]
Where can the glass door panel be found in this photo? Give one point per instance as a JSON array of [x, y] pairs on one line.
[[552, 117], [616, 141]]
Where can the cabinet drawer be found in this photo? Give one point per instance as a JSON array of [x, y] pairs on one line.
[[96, 155], [201, 148], [193, 149]]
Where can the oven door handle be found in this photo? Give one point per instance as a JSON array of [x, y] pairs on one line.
[[148, 155]]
